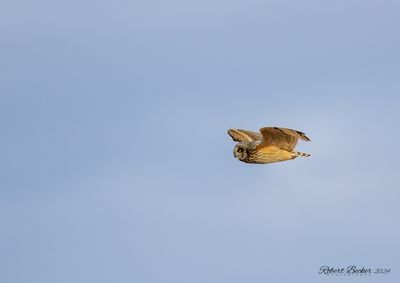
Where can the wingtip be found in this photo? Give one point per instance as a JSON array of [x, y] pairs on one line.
[[304, 136]]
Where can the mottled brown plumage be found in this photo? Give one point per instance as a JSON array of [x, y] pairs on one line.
[[274, 144]]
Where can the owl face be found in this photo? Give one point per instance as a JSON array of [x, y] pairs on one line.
[[240, 151]]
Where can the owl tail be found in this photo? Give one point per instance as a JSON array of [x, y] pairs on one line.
[[301, 154]]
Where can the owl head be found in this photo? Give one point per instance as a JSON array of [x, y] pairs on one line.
[[240, 151]]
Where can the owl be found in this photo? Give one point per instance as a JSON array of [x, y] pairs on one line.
[[272, 144]]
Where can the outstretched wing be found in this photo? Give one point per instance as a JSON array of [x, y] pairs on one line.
[[244, 135], [281, 137]]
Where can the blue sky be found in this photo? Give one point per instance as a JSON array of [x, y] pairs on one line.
[[116, 165]]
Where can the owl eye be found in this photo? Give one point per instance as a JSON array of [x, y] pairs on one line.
[[240, 150]]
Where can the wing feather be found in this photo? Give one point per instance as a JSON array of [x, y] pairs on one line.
[[281, 137], [244, 135]]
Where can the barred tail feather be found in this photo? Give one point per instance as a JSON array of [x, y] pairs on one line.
[[301, 154]]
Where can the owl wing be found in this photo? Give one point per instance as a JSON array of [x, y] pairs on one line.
[[281, 137], [244, 135]]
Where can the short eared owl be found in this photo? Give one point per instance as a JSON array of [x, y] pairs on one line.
[[273, 144]]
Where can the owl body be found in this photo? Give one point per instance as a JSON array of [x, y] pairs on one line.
[[251, 154], [273, 144]]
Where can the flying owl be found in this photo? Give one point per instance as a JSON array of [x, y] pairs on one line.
[[272, 144]]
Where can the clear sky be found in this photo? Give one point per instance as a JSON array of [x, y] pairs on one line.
[[115, 162]]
